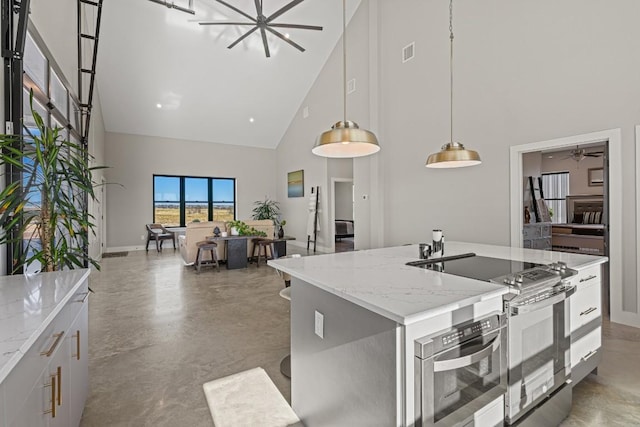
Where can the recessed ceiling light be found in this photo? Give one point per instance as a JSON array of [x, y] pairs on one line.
[[286, 35], [159, 105], [251, 119], [549, 157]]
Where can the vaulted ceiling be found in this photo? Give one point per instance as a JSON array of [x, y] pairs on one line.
[[162, 74]]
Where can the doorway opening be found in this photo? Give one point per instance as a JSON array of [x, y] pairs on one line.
[[343, 215], [609, 142]]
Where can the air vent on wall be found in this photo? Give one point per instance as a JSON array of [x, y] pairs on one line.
[[351, 86], [408, 52]]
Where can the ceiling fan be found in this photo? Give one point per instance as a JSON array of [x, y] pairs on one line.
[[264, 24], [579, 154]]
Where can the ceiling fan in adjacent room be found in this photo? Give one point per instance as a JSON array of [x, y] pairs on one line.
[[264, 24], [579, 154]]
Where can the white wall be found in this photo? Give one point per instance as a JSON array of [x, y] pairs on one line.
[[524, 72], [522, 75], [324, 102], [133, 160]]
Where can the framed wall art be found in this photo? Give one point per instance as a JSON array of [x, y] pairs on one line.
[[295, 184]]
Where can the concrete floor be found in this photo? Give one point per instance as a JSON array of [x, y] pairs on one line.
[[158, 331]]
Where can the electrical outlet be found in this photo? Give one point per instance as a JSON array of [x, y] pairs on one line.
[[142, 237], [319, 324]]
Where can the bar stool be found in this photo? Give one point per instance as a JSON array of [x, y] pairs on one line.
[[261, 244], [207, 246], [285, 363]]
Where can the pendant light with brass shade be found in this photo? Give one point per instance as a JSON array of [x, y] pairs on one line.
[[452, 154], [345, 139]]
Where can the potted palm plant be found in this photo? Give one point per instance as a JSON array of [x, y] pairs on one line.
[[43, 213]]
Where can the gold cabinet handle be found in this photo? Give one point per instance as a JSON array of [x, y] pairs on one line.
[[59, 385], [52, 411], [77, 337], [54, 345], [586, 279]]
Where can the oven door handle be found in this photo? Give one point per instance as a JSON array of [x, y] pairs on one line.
[[554, 299], [469, 359]]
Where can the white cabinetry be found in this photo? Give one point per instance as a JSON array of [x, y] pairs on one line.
[[78, 365], [586, 323], [45, 383]]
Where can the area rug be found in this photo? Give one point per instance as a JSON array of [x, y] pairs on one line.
[[114, 254], [248, 398]]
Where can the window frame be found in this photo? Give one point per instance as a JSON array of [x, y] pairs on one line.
[[182, 202], [556, 218]]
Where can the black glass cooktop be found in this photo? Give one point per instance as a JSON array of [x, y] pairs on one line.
[[476, 267]]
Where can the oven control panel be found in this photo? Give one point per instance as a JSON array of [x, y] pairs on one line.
[[458, 335], [472, 330]]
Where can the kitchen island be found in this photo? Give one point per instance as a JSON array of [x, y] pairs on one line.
[[355, 318]]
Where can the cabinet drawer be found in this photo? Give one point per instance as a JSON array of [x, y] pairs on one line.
[[25, 376], [584, 348], [585, 305], [588, 276]]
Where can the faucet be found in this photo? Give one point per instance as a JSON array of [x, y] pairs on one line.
[[437, 248]]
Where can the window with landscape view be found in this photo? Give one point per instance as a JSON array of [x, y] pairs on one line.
[[178, 200]]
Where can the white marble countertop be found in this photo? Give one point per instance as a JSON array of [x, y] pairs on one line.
[[379, 280], [27, 307]]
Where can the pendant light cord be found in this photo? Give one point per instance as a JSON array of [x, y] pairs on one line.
[[451, 66], [344, 58]]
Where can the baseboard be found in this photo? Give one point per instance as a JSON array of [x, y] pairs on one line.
[[125, 249], [303, 245]]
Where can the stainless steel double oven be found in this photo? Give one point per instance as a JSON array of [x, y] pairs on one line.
[[460, 371]]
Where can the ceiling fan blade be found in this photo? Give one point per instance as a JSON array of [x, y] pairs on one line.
[[264, 42], [280, 35], [225, 23], [284, 9], [298, 26], [593, 155], [237, 10], [244, 36]]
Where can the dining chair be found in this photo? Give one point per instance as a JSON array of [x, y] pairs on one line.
[[158, 233]]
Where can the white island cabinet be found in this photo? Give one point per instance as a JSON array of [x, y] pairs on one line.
[[44, 375], [586, 322], [358, 318]]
